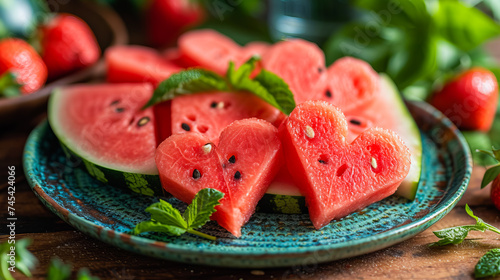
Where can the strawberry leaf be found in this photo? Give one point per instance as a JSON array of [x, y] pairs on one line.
[[9, 87], [496, 153], [490, 175]]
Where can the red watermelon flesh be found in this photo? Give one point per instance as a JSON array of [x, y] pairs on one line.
[[352, 84], [301, 65], [338, 178], [137, 64], [242, 166], [174, 56], [209, 49], [210, 113], [105, 125]]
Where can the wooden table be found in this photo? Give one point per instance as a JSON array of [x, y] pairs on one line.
[[410, 259]]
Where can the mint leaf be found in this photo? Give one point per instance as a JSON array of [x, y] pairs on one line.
[[278, 89], [235, 77], [84, 274], [267, 86], [153, 226], [465, 34], [25, 261], [490, 175], [166, 219], [163, 212], [58, 270], [455, 235], [187, 82], [203, 206], [489, 264]]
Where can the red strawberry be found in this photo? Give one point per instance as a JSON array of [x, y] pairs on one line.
[[19, 58], [166, 19], [470, 100], [495, 192], [493, 174], [68, 44]]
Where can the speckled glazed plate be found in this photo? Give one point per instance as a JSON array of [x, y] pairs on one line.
[[268, 240]]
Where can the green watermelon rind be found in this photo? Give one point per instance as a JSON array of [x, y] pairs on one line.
[[409, 186], [146, 184]]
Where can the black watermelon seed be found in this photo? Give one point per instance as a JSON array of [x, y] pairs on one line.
[[237, 175], [355, 121], [186, 127], [143, 121], [328, 93], [232, 159], [320, 69], [196, 174], [213, 105], [322, 161], [119, 110], [115, 102]]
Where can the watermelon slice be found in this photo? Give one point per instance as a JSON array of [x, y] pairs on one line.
[[210, 113], [338, 178], [352, 84], [301, 65], [103, 126], [137, 64], [209, 49], [242, 166]]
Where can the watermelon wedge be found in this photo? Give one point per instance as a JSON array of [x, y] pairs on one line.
[[209, 49], [241, 166], [210, 113], [301, 64], [337, 177], [103, 127], [137, 64]]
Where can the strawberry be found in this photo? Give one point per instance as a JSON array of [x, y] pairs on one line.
[[470, 99], [167, 19], [493, 174], [68, 44], [21, 68]]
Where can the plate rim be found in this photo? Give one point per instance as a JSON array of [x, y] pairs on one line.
[[398, 234]]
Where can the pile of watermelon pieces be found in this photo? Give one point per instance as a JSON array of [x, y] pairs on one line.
[[349, 142]]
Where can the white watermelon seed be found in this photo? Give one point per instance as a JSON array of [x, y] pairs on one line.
[[220, 105], [207, 148], [374, 163], [309, 132]]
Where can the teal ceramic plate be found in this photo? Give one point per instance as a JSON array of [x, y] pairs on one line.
[[268, 240]]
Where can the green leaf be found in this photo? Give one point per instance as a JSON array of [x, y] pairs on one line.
[[153, 226], [187, 82], [236, 77], [166, 219], [479, 141], [202, 207], [466, 27], [490, 175], [456, 235], [25, 261], [278, 89], [84, 274], [9, 87], [164, 213], [58, 270], [488, 265]]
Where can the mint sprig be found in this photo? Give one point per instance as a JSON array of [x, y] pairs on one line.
[[167, 219], [489, 264], [24, 260], [455, 235], [266, 85], [493, 171]]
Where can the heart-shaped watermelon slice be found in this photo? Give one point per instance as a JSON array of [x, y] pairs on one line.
[[337, 177], [241, 166]]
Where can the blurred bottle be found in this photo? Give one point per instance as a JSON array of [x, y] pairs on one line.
[[313, 20]]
